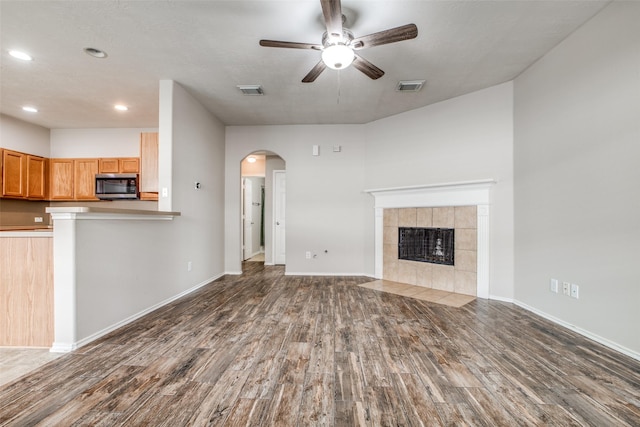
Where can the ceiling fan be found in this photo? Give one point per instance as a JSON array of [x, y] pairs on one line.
[[339, 45]]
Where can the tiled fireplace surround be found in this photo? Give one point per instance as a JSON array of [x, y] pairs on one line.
[[463, 206], [460, 277]]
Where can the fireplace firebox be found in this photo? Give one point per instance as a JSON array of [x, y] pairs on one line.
[[432, 245]]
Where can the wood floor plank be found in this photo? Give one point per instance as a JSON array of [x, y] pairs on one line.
[[265, 349]]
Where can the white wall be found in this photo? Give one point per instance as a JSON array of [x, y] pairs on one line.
[[324, 194], [147, 260], [577, 147], [25, 137], [462, 139], [91, 143]]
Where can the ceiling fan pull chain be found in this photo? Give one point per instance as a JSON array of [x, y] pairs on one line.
[[338, 101]]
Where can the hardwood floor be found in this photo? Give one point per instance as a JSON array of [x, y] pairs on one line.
[[274, 350]]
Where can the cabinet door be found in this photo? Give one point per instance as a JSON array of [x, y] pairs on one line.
[[129, 165], [36, 177], [85, 171], [14, 174], [108, 165], [61, 179], [149, 163]]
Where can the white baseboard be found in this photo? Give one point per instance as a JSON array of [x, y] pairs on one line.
[[67, 347], [499, 298], [605, 342], [232, 273], [293, 273]]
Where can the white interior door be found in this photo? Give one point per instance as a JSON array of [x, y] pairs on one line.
[[247, 216], [279, 199]]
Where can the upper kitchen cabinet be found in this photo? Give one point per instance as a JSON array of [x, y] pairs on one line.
[[149, 166], [37, 177], [84, 185], [61, 179], [119, 165], [73, 179], [14, 174], [23, 175]]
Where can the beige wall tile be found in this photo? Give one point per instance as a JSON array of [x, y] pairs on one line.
[[424, 272], [444, 217], [390, 269], [466, 217], [465, 260], [465, 282], [407, 217], [443, 277], [390, 236], [407, 272], [390, 217], [466, 239], [390, 252], [424, 217]]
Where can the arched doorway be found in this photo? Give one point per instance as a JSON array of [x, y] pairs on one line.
[[262, 210]]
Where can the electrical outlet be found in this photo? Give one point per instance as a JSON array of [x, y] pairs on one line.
[[37, 219], [553, 285], [189, 265], [566, 288], [308, 255], [575, 291]]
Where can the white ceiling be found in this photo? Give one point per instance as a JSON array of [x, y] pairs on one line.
[[210, 47]]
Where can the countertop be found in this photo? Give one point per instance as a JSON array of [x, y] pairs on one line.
[[113, 211], [25, 231]]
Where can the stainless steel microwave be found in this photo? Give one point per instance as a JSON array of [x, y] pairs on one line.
[[116, 186]]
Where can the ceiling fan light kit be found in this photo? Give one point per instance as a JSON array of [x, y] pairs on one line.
[[337, 56], [339, 46]]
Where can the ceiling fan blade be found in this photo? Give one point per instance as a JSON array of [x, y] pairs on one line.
[[405, 32], [291, 45], [314, 73], [367, 68], [332, 11]]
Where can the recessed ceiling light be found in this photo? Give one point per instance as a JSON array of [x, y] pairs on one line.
[[121, 107], [20, 55], [409, 85], [30, 109], [96, 53], [251, 159], [251, 89]]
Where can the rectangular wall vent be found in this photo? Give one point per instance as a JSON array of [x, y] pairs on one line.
[[410, 86], [251, 89]]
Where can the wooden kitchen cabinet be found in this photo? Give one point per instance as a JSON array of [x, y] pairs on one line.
[[61, 177], [119, 165], [73, 179], [109, 165], [84, 179], [148, 166], [14, 174], [37, 174], [129, 165]]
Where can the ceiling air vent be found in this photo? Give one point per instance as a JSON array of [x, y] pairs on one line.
[[251, 89], [409, 85]]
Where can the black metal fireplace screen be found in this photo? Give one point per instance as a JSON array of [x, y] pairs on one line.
[[434, 245]]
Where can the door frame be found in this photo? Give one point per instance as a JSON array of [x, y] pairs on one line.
[[274, 226]]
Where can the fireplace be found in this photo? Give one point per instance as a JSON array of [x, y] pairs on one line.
[[433, 245], [463, 206]]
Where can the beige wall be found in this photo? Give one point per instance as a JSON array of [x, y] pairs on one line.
[[22, 212]]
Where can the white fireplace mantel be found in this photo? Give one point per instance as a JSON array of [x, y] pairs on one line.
[[465, 193]]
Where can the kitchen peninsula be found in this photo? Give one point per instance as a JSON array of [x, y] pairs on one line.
[[75, 323]]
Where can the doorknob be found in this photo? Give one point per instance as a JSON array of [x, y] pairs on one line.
[[277, 222]]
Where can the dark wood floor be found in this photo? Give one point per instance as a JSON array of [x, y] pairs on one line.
[[274, 350]]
